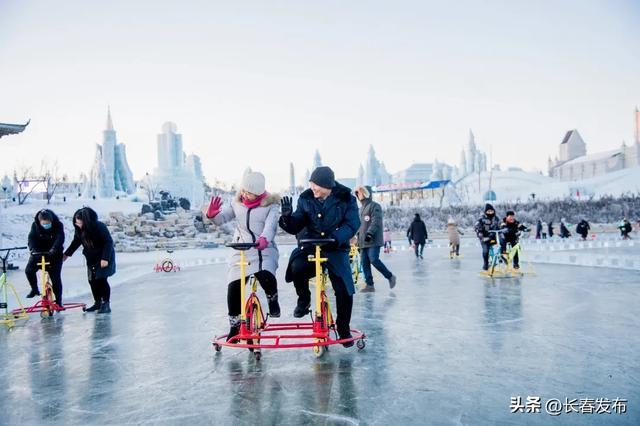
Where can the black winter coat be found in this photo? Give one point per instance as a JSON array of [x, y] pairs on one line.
[[337, 217], [96, 248], [486, 224], [513, 231], [583, 228], [417, 232], [47, 240]]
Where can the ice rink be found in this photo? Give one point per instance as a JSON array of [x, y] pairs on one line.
[[446, 346]]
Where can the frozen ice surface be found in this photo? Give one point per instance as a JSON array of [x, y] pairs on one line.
[[446, 346]]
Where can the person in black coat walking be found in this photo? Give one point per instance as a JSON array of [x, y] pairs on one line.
[[326, 210], [97, 248], [417, 235], [538, 229], [46, 235]]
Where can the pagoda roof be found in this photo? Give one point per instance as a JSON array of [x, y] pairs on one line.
[[12, 129]]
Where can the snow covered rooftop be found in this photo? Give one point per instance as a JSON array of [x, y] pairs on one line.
[[599, 156]]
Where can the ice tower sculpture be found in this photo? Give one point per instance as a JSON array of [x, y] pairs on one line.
[[177, 173], [110, 173]]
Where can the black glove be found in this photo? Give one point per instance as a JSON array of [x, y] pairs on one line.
[[287, 206], [368, 238]]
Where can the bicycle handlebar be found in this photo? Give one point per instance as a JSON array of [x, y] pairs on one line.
[[242, 246], [497, 231], [13, 248]]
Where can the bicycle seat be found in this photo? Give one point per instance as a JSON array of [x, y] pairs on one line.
[[40, 253], [241, 246], [317, 241]]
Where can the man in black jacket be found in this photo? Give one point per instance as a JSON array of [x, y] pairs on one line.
[[488, 222], [325, 210], [46, 235]]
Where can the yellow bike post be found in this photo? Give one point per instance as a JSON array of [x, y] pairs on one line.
[[9, 318]]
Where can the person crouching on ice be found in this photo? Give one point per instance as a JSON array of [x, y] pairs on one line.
[[256, 214], [514, 228], [46, 235], [325, 210]]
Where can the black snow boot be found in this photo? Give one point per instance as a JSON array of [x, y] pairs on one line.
[[345, 334], [302, 309], [234, 322], [274, 306], [104, 308], [33, 293], [93, 308]]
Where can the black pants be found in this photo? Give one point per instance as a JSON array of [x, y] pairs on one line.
[[302, 270], [419, 248], [54, 269], [503, 246], [100, 290], [486, 245], [454, 248], [267, 281]]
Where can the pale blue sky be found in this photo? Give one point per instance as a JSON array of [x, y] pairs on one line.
[[263, 83]]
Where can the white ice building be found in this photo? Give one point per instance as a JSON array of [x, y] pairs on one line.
[[110, 174], [472, 160], [573, 163], [177, 173]]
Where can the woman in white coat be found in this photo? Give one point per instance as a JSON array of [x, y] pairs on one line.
[[256, 214]]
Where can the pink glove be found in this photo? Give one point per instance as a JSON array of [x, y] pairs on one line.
[[262, 243], [215, 206]]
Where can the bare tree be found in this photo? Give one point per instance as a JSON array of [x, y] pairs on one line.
[[150, 186], [50, 178], [25, 183]]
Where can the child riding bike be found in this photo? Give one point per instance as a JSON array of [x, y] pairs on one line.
[[512, 228]]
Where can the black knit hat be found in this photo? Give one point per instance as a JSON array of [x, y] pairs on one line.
[[488, 207], [323, 176]]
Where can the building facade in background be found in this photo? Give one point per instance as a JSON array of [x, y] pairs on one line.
[[573, 162]]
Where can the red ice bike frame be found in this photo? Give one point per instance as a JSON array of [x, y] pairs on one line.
[[255, 334], [47, 305]]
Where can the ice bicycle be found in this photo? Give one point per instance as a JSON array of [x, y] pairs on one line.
[[255, 334], [501, 263], [355, 263], [47, 304], [9, 318]]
